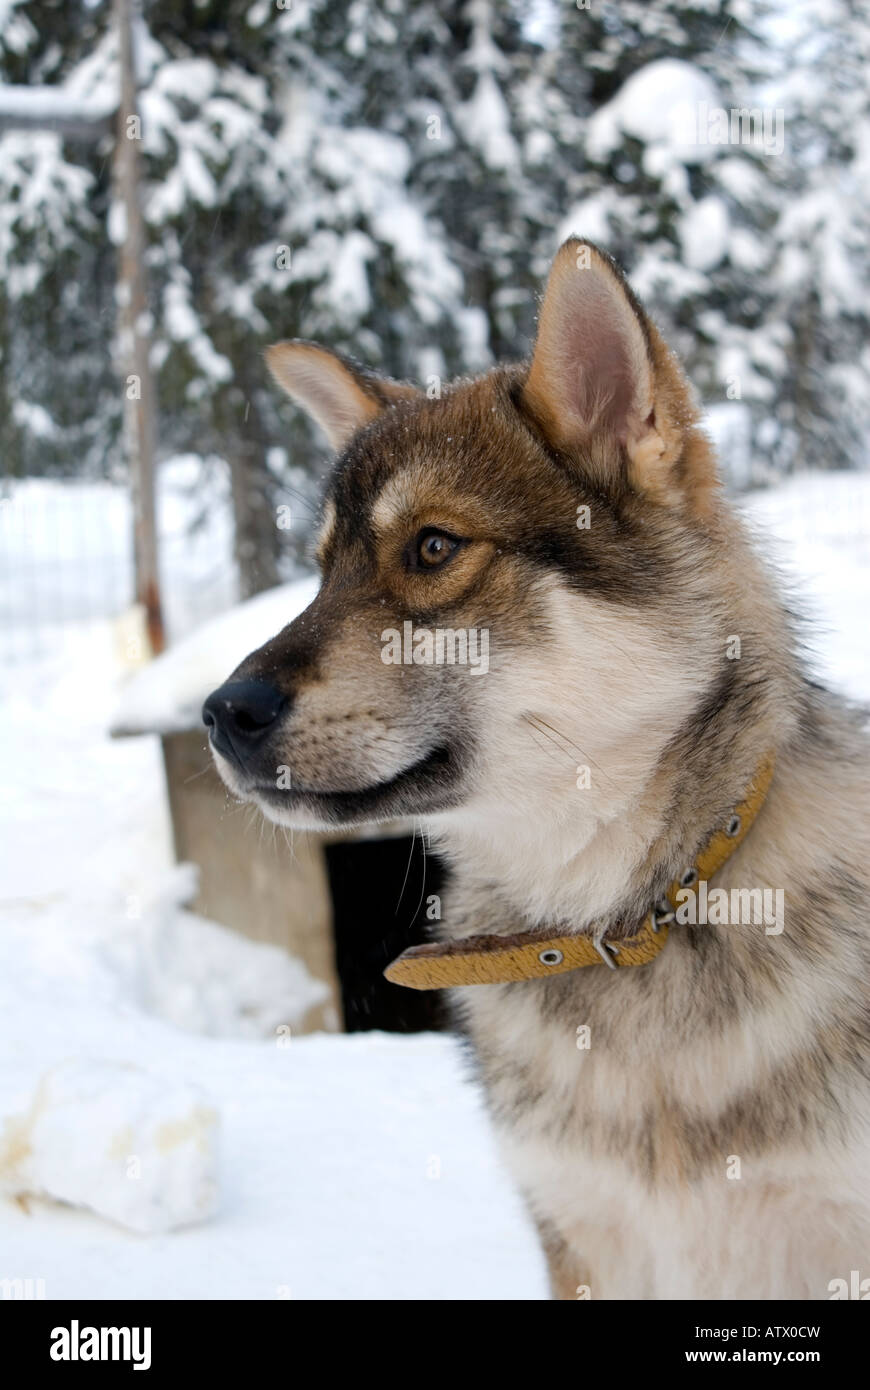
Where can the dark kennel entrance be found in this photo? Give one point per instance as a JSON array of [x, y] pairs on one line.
[[380, 890]]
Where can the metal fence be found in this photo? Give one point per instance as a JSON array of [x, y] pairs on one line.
[[66, 561]]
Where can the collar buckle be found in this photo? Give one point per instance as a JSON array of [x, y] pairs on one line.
[[606, 950], [661, 915]]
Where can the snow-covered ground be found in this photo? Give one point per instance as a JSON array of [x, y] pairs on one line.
[[133, 1035]]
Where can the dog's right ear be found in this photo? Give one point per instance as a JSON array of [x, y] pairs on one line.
[[339, 394]]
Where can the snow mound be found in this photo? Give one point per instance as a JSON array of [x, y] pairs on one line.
[[166, 696], [138, 1149], [205, 978]]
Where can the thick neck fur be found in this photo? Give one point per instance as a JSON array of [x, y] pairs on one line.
[[672, 745]]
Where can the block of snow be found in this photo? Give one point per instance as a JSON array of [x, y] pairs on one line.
[[166, 696], [133, 1147]]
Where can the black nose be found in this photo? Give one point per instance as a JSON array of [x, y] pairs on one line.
[[239, 714]]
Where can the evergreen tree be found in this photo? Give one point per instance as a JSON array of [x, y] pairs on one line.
[[60, 403], [392, 177], [688, 213], [823, 238]]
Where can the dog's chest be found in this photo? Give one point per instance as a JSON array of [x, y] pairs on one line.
[[581, 1064], [639, 1124]]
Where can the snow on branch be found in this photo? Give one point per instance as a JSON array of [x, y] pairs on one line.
[[53, 108]]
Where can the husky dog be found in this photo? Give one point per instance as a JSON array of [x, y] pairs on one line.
[[695, 1127]]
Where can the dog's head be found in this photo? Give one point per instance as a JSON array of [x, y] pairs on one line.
[[513, 581]]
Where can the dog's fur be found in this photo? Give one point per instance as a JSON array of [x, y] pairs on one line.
[[612, 648]]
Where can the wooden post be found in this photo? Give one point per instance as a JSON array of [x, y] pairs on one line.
[[140, 430], [48, 108]]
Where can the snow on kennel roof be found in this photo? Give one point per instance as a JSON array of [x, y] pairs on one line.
[[166, 696]]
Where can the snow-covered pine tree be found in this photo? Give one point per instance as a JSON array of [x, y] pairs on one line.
[[690, 218], [822, 233], [413, 235], [60, 402], [412, 203], [354, 175], [392, 177], [214, 190]]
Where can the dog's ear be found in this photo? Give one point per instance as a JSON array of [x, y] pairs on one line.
[[604, 387], [340, 395]]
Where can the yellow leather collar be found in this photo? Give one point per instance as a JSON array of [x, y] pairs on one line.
[[489, 960]]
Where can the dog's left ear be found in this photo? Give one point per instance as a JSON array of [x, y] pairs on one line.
[[339, 394], [604, 387]]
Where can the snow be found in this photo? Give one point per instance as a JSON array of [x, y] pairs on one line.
[[65, 554], [35, 418], [366, 173], [252, 141], [201, 976], [182, 325], [349, 282], [817, 530], [17, 31], [351, 1168], [44, 198], [42, 105], [658, 105], [135, 1147], [337, 1165], [704, 233], [166, 696], [485, 120], [347, 1167], [590, 219]]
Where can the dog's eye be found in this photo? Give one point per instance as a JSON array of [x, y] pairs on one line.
[[431, 548]]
